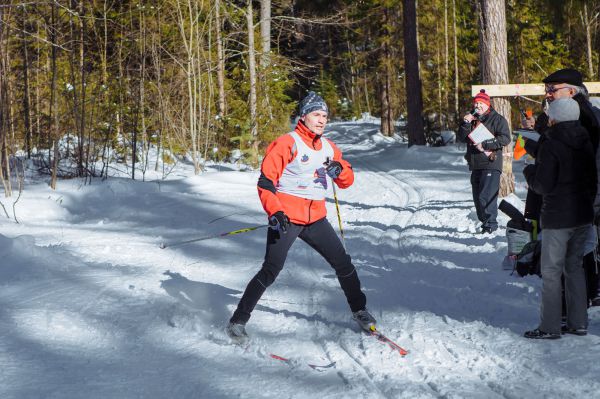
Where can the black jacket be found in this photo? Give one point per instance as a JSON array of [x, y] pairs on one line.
[[533, 201], [498, 126], [565, 175], [590, 118]]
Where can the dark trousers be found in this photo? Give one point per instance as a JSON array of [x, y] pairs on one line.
[[320, 236], [562, 255], [592, 273], [485, 185]]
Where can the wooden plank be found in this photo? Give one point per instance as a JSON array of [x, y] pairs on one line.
[[523, 89]]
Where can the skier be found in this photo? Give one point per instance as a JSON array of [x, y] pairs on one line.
[[292, 188]]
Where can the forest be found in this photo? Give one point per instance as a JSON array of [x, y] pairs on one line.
[[87, 84]]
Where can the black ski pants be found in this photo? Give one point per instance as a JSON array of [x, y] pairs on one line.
[[321, 237], [485, 184]]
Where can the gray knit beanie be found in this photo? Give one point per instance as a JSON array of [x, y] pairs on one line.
[[563, 109], [312, 102]]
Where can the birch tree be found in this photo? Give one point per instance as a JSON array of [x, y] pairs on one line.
[[220, 60], [252, 100]]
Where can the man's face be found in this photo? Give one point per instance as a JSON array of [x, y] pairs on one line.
[[315, 121], [558, 90], [481, 107]]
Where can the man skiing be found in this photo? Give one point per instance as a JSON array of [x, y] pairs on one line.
[[292, 188]]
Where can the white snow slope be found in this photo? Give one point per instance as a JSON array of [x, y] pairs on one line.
[[91, 307]]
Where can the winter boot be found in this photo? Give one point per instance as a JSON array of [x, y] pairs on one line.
[[574, 331], [237, 332], [364, 320], [539, 334]]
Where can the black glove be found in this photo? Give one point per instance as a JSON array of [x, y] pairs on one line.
[[279, 222], [334, 169], [528, 171], [490, 145]]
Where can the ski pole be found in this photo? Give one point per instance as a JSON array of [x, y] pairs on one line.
[[337, 205], [229, 233], [337, 208]]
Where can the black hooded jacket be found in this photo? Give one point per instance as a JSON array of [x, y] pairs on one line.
[[498, 126], [533, 201], [565, 175]]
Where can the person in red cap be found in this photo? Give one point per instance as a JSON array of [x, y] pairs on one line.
[[485, 158]]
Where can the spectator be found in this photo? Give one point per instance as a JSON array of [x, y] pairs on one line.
[[485, 169], [565, 175], [568, 83]]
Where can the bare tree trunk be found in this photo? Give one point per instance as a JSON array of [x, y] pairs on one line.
[[53, 129], [4, 121], [26, 88], [494, 66], [387, 122], [252, 75], [37, 106], [106, 102], [265, 33], [120, 112], [81, 157], [414, 99], [265, 59], [156, 49], [352, 66], [366, 89], [456, 78], [134, 139], [142, 91], [587, 23], [440, 82], [187, 24], [220, 61], [446, 62]]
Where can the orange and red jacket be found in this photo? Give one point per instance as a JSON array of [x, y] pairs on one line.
[[281, 152]]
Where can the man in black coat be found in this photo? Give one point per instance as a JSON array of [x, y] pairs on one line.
[[565, 175], [485, 158], [568, 83]]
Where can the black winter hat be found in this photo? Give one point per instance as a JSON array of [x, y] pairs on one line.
[[567, 75]]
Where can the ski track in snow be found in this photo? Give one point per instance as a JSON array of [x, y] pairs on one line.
[[91, 307]]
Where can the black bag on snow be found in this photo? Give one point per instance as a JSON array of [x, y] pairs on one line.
[[528, 260]]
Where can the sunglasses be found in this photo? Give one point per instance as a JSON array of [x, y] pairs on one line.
[[552, 89]]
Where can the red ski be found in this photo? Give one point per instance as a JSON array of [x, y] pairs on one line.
[[383, 339], [312, 366]]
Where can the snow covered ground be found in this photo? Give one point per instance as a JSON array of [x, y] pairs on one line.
[[91, 307]]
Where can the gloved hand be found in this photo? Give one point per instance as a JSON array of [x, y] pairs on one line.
[[279, 222], [333, 169], [529, 170], [491, 145]]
